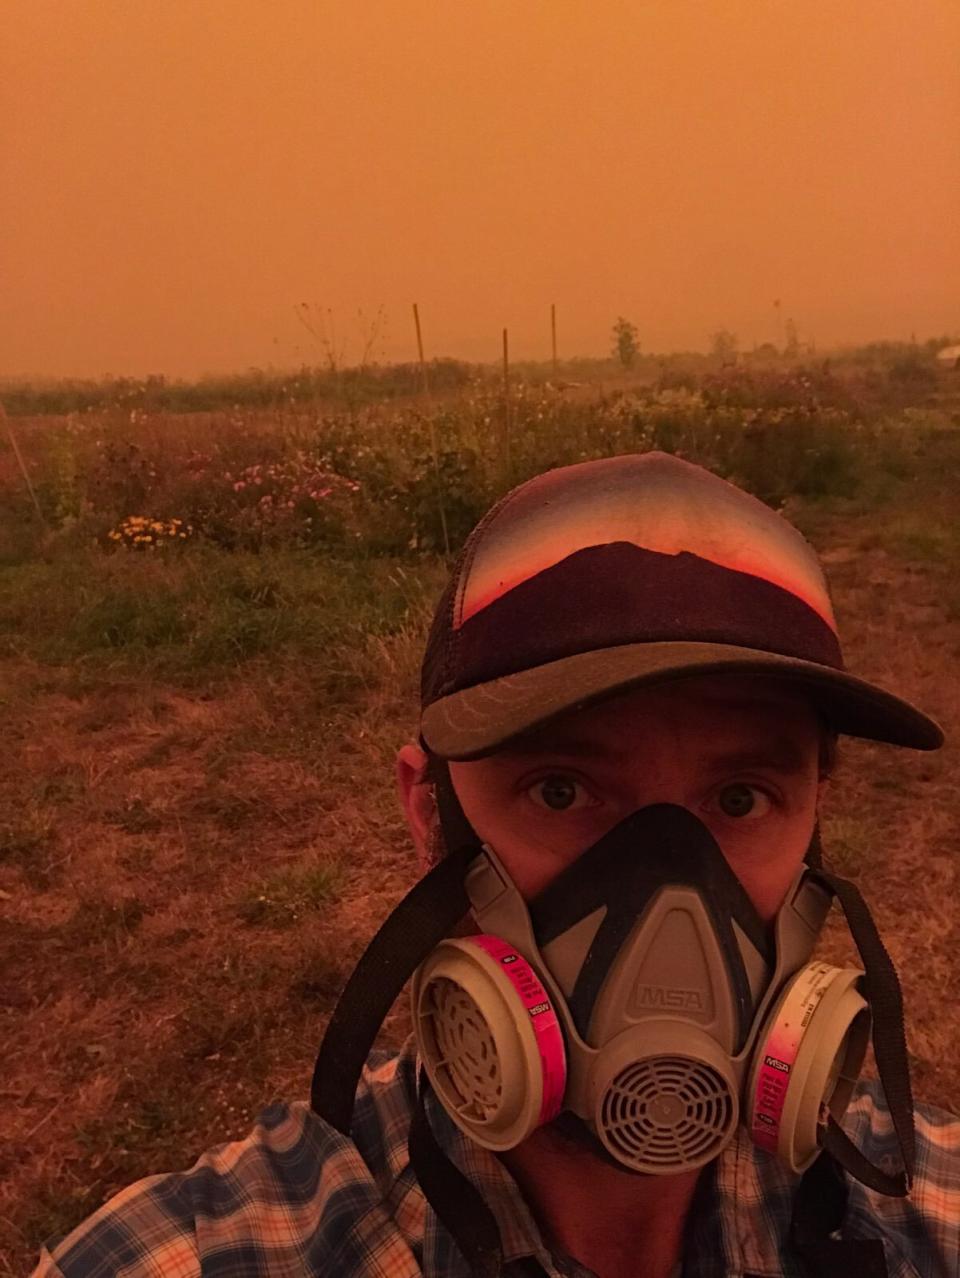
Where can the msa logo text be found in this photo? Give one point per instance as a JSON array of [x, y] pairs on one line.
[[673, 1000]]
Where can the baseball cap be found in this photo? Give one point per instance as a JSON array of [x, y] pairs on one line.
[[598, 577]]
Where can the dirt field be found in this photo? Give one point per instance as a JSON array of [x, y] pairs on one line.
[[187, 875]]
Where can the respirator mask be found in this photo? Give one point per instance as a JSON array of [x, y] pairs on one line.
[[640, 1003], [642, 993], [639, 993]]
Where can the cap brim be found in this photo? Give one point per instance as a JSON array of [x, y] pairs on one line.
[[476, 721]]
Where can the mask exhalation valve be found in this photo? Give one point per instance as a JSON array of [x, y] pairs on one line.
[[665, 1113], [661, 1111]]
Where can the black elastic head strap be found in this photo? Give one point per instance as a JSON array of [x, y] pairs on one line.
[[458, 1203], [819, 1207], [882, 991], [428, 913]]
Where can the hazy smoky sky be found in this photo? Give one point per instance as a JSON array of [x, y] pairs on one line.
[[177, 176]]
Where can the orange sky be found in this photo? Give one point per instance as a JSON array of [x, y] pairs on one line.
[[177, 175]]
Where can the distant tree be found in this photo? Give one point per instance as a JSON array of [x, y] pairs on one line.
[[625, 345], [724, 346]]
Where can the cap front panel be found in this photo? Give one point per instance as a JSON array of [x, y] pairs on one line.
[[617, 594], [654, 501]]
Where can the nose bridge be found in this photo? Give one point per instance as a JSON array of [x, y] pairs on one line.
[[666, 771], [658, 770]]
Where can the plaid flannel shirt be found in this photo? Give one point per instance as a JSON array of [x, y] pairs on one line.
[[296, 1198]]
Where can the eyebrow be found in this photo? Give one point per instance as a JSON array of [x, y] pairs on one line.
[[782, 755]]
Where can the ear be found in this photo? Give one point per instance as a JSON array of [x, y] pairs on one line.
[[417, 799]]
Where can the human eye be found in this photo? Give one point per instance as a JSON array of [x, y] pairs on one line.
[[559, 792], [742, 801]]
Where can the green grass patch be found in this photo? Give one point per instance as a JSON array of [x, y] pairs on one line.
[[201, 613], [927, 545], [282, 899], [931, 539]]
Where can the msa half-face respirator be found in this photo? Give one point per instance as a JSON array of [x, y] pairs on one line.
[[641, 992], [639, 1001]]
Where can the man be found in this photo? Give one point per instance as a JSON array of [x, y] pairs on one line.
[[627, 1060]]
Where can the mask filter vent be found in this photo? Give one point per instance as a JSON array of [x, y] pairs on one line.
[[465, 1046], [489, 1039], [667, 1113]]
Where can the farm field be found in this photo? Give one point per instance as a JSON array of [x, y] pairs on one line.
[[210, 632]]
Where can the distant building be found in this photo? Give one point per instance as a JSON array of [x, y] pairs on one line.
[[949, 355]]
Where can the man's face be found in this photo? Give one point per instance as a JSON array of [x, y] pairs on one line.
[[741, 754]]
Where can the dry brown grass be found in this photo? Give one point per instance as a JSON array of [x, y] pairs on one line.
[[152, 1003]]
